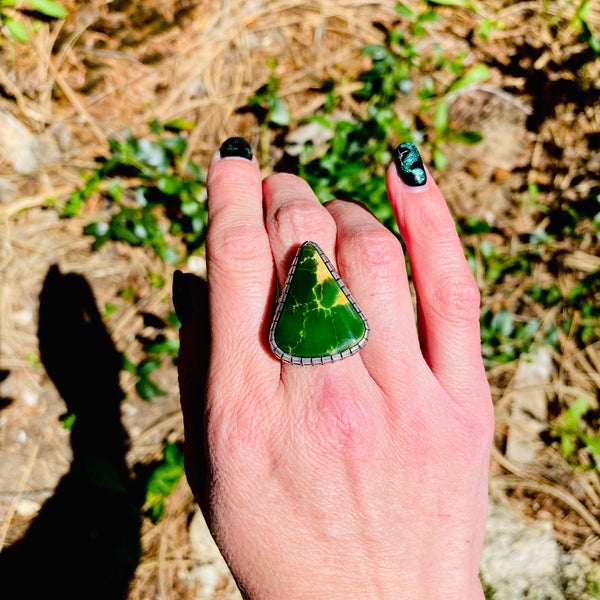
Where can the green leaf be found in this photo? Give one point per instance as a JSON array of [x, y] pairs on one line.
[[169, 184], [49, 8], [567, 445], [464, 3], [404, 11], [466, 137], [68, 420], [375, 51], [151, 153], [593, 443], [163, 480], [147, 389], [109, 309], [97, 229], [179, 125], [147, 366], [127, 365], [16, 29], [440, 117], [502, 322], [440, 160], [476, 74], [279, 114], [569, 421]]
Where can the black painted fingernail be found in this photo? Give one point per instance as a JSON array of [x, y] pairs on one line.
[[409, 165], [236, 146], [182, 300]]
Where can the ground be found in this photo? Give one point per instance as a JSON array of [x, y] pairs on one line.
[[115, 65]]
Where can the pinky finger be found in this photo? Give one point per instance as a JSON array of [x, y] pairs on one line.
[[447, 296]]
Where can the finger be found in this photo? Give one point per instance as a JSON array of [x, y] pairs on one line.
[[239, 264], [190, 298], [447, 296], [371, 262], [293, 216]]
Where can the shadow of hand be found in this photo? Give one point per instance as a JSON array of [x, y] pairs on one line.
[[85, 541]]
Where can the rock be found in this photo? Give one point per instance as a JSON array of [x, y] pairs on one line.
[[62, 134], [8, 190], [522, 561], [197, 265], [25, 151], [529, 407], [210, 570], [17, 145], [46, 150], [27, 508]]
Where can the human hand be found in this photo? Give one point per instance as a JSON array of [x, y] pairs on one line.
[[363, 478]]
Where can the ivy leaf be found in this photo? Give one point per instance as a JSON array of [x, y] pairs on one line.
[[440, 118], [463, 3], [404, 11], [440, 160], [279, 114], [163, 480], [49, 8], [466, 137], [478, 73], [16, 29]]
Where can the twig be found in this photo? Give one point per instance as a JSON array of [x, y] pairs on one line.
[[15, 206], [67, 90], [524, 479]]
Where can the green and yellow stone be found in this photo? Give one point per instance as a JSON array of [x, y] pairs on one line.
[[316, 320]]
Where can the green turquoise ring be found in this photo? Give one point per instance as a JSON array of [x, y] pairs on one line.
[[316, 320]]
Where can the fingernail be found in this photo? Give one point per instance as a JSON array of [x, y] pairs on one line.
[[409, 165], [182, 300], [236, 146]]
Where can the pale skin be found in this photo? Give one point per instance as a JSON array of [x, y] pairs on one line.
[[361, 479]]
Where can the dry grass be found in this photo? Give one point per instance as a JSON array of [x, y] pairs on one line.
[[114, 65]]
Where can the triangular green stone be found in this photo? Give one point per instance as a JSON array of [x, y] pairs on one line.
[[316, 320]]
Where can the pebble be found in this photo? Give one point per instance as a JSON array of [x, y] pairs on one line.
[[25, 151], [197, 265], [27, 508], [30, 398], [8, 190], [17, 145], [521, 560]]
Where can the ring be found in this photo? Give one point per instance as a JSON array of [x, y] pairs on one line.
[[316, 320]]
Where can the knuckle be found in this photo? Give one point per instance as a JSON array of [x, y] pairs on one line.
[[237, 246], [458, 298], [298, 218], [377, 250], [376, 246], [428, 223]]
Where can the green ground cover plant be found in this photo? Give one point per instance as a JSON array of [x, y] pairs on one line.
[[14, 13]]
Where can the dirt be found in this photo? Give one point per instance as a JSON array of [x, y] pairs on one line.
[[116, 65]]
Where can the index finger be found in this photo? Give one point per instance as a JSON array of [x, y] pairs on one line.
[[239, 263]]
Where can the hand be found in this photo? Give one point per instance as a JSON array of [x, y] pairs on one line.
[[363, 478]]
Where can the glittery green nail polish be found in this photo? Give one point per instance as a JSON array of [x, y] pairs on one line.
[[409, 165]]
